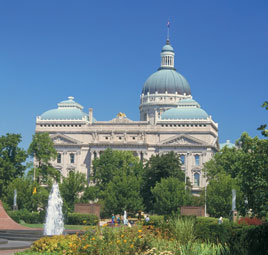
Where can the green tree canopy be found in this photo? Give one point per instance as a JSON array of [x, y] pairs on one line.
[[158, 167], [12, 159], [123, 193], [219, 195], [71, 186], [43, 151], [170, 195], [113, 163], [248, 166], [26, 199]]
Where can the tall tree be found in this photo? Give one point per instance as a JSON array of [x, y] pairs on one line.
[[219, 195], [248, 166], [43, 151], [123, 193], [170, 195], [71, 187], [113, 163], [26, 198], [158, 167], [12, 159]]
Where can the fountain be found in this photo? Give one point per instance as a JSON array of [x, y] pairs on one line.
[[54, 218]]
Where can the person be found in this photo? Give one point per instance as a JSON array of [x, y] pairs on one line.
[[220, 221], [118, 219], [147, 218], [113, 219]]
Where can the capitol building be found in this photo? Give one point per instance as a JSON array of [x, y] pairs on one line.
[[170, 120]]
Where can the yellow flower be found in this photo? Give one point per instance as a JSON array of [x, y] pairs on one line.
[[140, 236], [93, 238], [125, 241], [122, 236], [140, 231], [131, 246], [118, 241]]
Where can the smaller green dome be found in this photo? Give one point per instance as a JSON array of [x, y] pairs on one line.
[[167, 47], [187, 109], [67, 110], [228, 144]]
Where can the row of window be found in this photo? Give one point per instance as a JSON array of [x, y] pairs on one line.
[[183, 125], [60, 125], [72, 157], [196, 157]]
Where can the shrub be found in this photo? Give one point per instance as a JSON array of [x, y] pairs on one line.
[[182, 229], [155, 220], [82, 219], [26, 216], [250, 221]]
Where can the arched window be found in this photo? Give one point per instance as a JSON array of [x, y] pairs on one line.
[[58, 158], [197, 160], [197, 179], [71, 158], [182, 158]]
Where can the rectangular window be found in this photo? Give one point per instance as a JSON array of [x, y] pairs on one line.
[[197, 160], [182, 158], [58, 158], [71, 158]]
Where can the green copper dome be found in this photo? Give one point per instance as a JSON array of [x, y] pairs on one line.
[[187, 109], [67, 110], [166, 80]]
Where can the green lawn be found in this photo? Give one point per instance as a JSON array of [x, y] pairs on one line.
[[79, 227]]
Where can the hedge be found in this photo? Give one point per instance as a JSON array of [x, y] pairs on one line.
[[82, 219], [26, 216]]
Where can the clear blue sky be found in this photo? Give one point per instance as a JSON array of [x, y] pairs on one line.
[[101, 52]]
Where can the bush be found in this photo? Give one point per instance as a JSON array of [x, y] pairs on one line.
[[26, 216], [82, 219], [155, 220], [250, 221]]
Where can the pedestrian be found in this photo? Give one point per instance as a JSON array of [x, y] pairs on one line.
[[220, 220], [113, 219], [147, 218], [118, 219]]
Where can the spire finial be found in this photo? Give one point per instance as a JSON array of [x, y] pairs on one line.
[[168, 27]]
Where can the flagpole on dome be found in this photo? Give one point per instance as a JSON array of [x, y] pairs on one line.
[[168, 27]]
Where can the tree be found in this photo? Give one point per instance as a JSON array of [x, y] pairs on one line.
[[113, 163], [71, 187], [263, 127], [248, 166], [43, 151], [219, 195], [26, 198], [158, 167], [253, 177], [170, 195], [12, 160], [123, 193]]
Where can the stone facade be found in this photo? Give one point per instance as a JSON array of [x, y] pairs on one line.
[[79, 138]]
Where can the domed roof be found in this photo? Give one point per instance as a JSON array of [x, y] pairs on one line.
[[166, 80], [228, 144], [67, 110], [187, 109], [167, 47]]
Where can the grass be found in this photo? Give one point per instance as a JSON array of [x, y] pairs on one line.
[[78, 227]]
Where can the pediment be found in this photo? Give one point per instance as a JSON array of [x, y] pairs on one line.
[[60, 139], [183, 140]]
